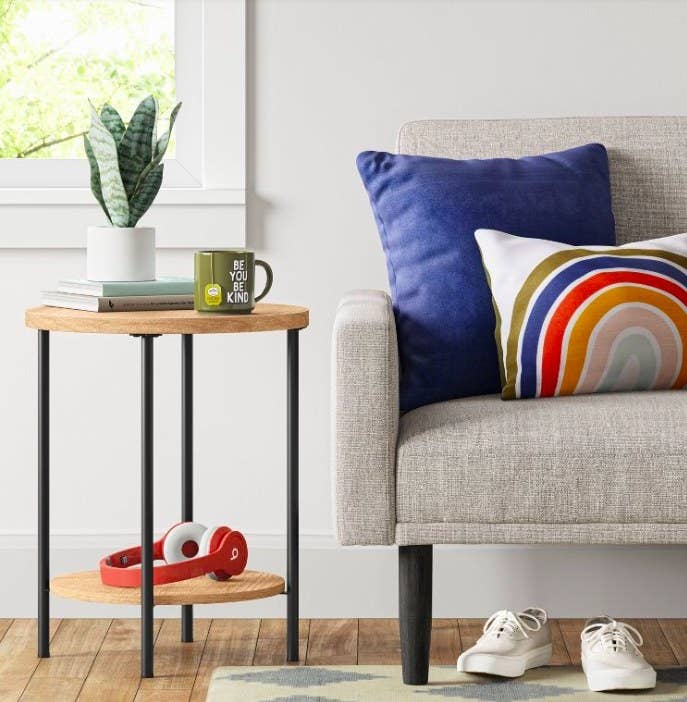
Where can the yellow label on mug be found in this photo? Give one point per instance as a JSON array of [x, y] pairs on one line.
[[213, 294]]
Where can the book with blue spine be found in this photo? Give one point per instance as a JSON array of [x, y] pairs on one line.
[[161, 286]]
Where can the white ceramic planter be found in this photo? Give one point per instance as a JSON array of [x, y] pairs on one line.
[[120, 253]]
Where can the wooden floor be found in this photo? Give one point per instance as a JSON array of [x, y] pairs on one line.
[[98, 659]]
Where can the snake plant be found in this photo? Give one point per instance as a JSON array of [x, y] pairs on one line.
[[126, 160]]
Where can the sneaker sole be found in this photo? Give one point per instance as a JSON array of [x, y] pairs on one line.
[[604, 680], [504, 666]]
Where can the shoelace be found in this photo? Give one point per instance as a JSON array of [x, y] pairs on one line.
[[613, 637], [509, 623]]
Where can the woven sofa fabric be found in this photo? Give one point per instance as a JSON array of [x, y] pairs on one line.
[[617, 458], [647, 156], [427, 211], [365, 418], [408, 534], [588, 319]]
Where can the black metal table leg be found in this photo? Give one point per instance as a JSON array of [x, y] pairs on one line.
[[292, 496], [147, 506], [43, 493], [187, 460]]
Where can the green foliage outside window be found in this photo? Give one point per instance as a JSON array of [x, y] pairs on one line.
[[56, 55]]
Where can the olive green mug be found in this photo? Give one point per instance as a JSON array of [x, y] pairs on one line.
[[225, 281]]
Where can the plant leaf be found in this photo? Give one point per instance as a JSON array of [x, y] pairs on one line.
[[153, 136], [160, 148], [146, 194], [95, 176], [163, 142], [112, 188], [135, 150], [111, 119]]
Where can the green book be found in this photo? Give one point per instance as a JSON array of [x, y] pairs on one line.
[[161, 286]]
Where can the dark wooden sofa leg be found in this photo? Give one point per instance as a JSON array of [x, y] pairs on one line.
[[415, 611]]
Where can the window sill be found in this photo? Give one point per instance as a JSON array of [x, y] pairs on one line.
[[57, 218]]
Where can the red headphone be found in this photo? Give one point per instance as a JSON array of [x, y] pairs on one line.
[[188, 549]]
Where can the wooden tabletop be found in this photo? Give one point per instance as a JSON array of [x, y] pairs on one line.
[[265, 317], [250, 585]]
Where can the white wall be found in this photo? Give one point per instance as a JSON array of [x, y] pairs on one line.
[[326, 80]]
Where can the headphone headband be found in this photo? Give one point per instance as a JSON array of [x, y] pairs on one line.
[[227, 556]]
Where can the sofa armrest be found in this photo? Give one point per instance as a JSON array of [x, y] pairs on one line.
[[365, 418]]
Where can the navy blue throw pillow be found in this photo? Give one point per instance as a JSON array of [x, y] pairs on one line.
[[427, 211]]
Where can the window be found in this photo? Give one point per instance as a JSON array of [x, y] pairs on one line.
[[55, 55]]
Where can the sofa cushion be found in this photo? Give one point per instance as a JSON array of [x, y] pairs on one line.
[[615, 458], [427, 210], [583, 319]]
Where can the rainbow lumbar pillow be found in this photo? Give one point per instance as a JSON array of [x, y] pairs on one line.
[[584, 319]]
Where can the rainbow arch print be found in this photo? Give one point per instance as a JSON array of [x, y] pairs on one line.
[[599, 321]]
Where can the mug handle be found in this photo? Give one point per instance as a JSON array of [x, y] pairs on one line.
[[268, 282]]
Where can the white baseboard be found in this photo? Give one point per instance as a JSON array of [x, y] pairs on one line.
[[469, 581]]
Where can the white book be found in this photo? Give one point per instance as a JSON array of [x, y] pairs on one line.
[[128, 303]]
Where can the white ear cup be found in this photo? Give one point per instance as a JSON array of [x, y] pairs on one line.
[[179, 542], [205, 545]]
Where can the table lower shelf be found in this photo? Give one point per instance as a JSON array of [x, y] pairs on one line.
[[250, 585]]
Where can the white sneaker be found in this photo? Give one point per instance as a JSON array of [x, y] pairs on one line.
[[611, 658], [511, 644]]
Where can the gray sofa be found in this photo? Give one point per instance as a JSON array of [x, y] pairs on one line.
[[601, 469]]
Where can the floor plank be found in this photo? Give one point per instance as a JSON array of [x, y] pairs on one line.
[[560, 652], [332, 642], [18, 658], [72, 652], [470, 630], [675, 631], [4, 626], [271, 646], [229, 642], [445, 647], [43, 689], [571, 630], [115, 675], [176, 663], [152, 695], [379, 642], [656, 648]]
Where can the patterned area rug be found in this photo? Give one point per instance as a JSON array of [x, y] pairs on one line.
[[367, 683]]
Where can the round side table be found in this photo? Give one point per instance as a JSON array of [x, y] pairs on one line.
[[87, 585]]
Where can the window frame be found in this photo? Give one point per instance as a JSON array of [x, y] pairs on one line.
[[209, 164]]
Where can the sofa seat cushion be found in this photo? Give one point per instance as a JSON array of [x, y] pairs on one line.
[[617, 459]]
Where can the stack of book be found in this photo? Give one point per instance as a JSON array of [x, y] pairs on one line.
[[92, 296]]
